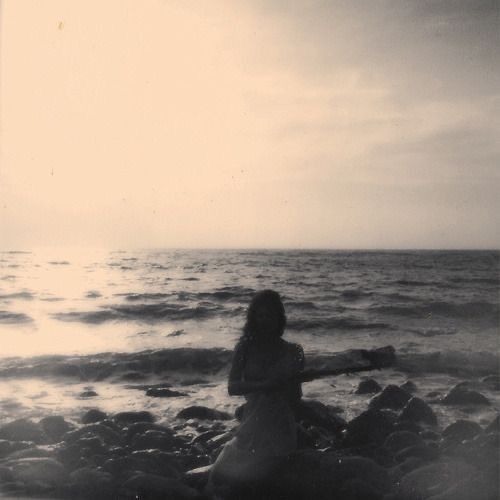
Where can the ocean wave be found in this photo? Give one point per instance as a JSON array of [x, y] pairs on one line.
[[477, 309], [331, 323], [141, 312], [216, 361], [7, 317], [354, 294]]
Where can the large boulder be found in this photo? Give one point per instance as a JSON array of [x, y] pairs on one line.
[[55, 427], [368, 386], [461, 395], [316, 413], [461, 430], [417, 410], [371, 426], [93, 415], [142, 427], [392, 397], [318, 475], [153, 440], [36, 471], [433, 479], [130, 417], [22, 430], [203, 413], [105, 433], [90, 483], [399, 440]]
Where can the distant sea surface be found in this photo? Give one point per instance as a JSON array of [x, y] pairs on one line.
[[91, 302]]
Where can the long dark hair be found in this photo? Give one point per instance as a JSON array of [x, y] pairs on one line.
[[270, 299]]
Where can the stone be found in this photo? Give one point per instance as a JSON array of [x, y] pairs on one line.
[[93, 415], [142, 427], [368, 386], [461, 430], [105, 433], [492, 381], [6, 475], [8, 447], [392, 397], [417, 410], [371, 426], [90, 483], [153, 439], [409, 386], [55, 427], [163, 392], [402, 439], [422, 451], [460, 395], [31, 453], [130, 417], [39, 470], [88, 394], [198, 478], [316, 413], [203, 413], [153, 486], [22, 430], [494, 426]]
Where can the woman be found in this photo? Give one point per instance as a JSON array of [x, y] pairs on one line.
[[265, 370]]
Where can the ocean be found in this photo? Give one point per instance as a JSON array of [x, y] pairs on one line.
[[60, 308]]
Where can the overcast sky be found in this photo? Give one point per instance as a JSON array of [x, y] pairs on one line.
[[250, 123]]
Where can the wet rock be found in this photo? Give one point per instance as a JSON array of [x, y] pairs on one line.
[[407, 425], [492, 381], [460, 395], [105, 433], [153, 439], [398, 471], [432, 479], [31, 453], [417, 410], [392, 397], [409, 386], [90, 483], [477, 488], [198, 478], [205, 436], [93, 415], [88, 394], [33, 471], [460, 430], [317, 475], [130, 417], [238, 413], [494, 426], [402, 439], [203, 413], [8, 447], [422, 451], [142, 427], [318, 414], [5, 474], [216, 442], [55, 427], [430, 435], [22, 430], [368, 386], [371, 426], [146, 485], [164, 393]]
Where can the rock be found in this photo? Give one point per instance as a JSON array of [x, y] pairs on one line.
[[152, 486], [477, 488], [316, 413], [130, 417], [417, 410], [494, 426], [422, 451], [371, 426], [8, 447], [6, 475], [198, 478], [55, 427], [461, 430], [93, 415], [398, 471], [142, 427], [238, 413], [203, 413], [108, 435], [22, 430], [216, 442], [39, 470], [492, 381], [407, 425], [368, 386], [318, 475], [153, 439], [430, 435], [31, 453], [409, 386], [205, 436], [164, 393], [460, 395], [432, 479], [88, 394], [402, 439], [391, 397], [90, 483]]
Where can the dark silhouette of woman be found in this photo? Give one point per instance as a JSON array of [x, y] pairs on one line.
[[265, 370]]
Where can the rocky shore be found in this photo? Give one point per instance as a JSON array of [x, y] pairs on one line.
[[397, 449]]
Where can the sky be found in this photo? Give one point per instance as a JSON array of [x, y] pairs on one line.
[[250, 123]]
